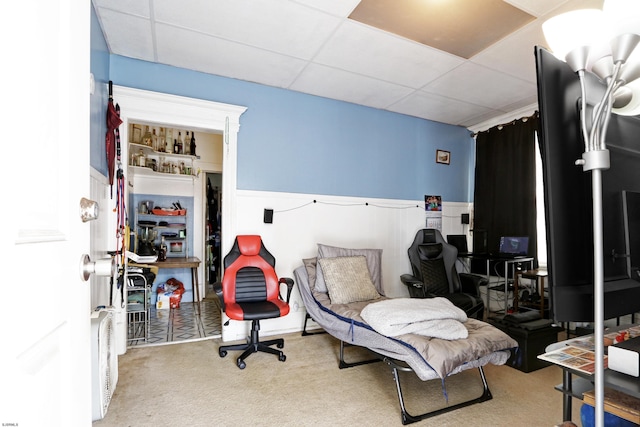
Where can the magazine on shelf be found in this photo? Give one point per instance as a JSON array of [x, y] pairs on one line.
[[576, 358], [579, 353]]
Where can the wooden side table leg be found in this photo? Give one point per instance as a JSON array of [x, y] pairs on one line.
[[194, 273], [195, 288]]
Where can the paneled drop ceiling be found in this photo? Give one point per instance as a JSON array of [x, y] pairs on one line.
[[461, 62]]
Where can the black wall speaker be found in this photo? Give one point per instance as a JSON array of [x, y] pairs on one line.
[[268, 216]]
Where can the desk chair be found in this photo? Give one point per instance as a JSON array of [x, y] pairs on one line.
[[434, 274], [250, 290]]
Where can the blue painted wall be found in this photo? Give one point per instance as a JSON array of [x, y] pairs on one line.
[[293, 142], [100, 70]]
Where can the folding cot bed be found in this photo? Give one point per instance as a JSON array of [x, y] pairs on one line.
[[342, 292]]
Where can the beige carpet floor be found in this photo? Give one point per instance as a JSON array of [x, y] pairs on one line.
[[191, 385]]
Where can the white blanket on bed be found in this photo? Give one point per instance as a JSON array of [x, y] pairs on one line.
[[432, 317]]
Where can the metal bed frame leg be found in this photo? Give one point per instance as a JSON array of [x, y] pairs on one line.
[[343, 364], [408, 418], [304, 327]]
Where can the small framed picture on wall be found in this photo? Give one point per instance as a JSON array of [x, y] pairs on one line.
[[443, 157]]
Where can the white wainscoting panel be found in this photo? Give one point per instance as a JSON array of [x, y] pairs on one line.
[[299, 224]]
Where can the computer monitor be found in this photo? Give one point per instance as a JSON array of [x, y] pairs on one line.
[[514, 245], [459, 241]]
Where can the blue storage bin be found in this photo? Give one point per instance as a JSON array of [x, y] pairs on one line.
[[588, 418]]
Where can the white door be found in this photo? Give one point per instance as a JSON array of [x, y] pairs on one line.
[[44, 305]]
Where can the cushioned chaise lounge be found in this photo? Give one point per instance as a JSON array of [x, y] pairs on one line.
[[335, 292]]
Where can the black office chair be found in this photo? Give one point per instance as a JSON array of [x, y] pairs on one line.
[[433, 262], [250, 290]]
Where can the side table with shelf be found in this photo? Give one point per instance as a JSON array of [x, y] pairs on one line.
[[511, 265], [576, 383], [540, 299]]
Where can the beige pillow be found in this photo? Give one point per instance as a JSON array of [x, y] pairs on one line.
[[374, 262], [347, 279]]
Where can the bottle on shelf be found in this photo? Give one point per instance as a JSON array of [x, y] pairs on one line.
[[154, 140], [186, 145], [147, 137], [141, 159], [175, 146], [192, 144], [161, 140], [169, 139], [180, 143], [162, 253]]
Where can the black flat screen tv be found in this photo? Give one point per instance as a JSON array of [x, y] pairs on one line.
[[568, 198]]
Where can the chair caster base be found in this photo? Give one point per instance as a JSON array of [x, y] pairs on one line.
[[254, 345]]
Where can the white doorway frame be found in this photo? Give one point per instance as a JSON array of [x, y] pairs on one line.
[[199, 115]]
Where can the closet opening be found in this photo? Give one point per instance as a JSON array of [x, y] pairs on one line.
[[212, 228]]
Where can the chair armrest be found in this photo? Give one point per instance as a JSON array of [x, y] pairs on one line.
[[470, 283], [411, 281], [217, 288], [289, 282]]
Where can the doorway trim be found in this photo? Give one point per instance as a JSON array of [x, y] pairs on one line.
[[200, 115]]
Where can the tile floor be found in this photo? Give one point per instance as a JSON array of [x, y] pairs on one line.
[[181, 324]]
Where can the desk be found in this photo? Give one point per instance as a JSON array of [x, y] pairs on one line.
[[507, 262], [191, 262], [575, 388]]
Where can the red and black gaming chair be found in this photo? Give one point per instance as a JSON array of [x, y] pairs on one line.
[[251, 291]]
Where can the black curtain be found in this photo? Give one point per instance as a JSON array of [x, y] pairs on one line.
[[505, 185]]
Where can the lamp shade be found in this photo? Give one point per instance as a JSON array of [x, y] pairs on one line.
[[624, 23], [624, 15], [569, 35], [603, 68], [622, 97], [631, 72], [632, 107]]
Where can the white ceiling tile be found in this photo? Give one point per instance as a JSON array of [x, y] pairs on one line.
[[128, 35], [524, 101], [514, 55], [341, 8], [481, 86], [139, 8], [311, 46], [224, 58], [566, 6], [536, 7], [437, 108], [473, 120], [337, 84], [365, 50], [275, 25]]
